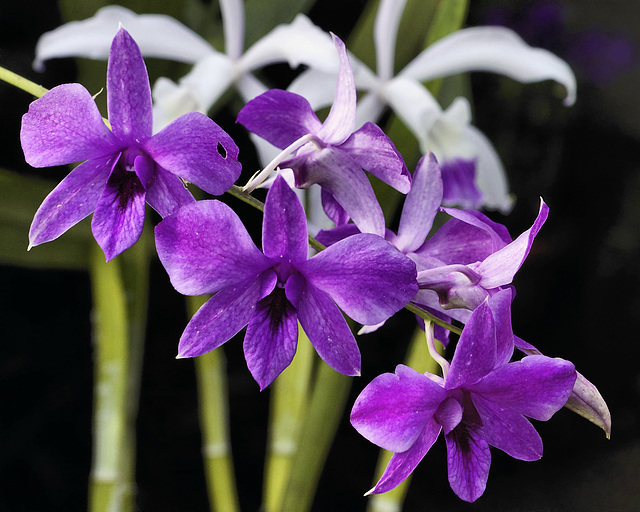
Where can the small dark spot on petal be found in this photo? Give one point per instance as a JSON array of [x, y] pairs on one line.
[[221, 150]]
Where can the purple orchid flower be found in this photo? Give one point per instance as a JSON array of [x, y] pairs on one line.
[[205, 249], [336, 155], [126, 166], [476, 405]]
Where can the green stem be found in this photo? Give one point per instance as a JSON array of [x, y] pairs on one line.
[[22, 83], [214, 423], [325, 410], [288, 408], [108, 487], [419, 359]]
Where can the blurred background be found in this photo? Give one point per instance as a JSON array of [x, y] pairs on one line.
[[578, 292]]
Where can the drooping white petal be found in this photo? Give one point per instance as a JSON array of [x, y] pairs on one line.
[[233, 23], [385, 32], [495, 49], [157, 35]]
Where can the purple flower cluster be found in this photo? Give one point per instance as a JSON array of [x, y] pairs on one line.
[[463, 272]]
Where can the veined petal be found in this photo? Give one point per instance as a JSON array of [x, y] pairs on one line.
[[500, 267], [205, 247], [119, 217], [284, 227], [341, 120], [468, 462], [223, 315], [157, 35], [495, 49], [536, 386], [394, 408], [376, 153], [402, 464], [296, 43], [198, 150], [500, 304], [71, 201], [363, 266], [128, 91], [325, 326], [280, 117], [459, 184], [344, 179], [166, 193], [508, 430], [385, 33], [420, 205], [272, 338], [65, 126]]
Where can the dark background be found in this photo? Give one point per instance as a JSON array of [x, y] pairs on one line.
[[577, 298]]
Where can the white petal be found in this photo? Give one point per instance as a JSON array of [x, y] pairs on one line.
[[299, 42], [157, 35], [233, 24], [318, 87], [491, 178], [385, 32], [370, 107], [495, 49]]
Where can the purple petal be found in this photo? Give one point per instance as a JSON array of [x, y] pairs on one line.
[[362, 266], [586, 400], [223, 315], [198, 150], [205, 247], [458, 180], [119, 217], [329, 237], [333, 210], [376, 153], [71, 201], [325, 326], [128, 91], [499, 268], [280, 117], [342, 117], [334, 170], [284, 227], [402, 464], [421, 205], [500, 305], [475, 354], [166, 193], [393, 409], [272, 338], [468, 462], [536, 386], [449, 414], [65, 126], [508, 430]]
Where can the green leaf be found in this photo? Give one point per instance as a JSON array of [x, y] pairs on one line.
[[20, 197]]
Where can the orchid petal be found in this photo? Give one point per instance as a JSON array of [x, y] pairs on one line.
[[224, 314], [166, 193], [316, 86], [385, 32], [284, 228], [477, 344], [72, 200], [376, 153], [65, 126], [468, 462], [325, 326], [421, 205], [233, 24], [329, 237], [360, 266], [332, 209], [341, 119], [586, 400], [370, 108], [279, 117], [119, 216], [205, 247], [271, 339], [198, 150], [508, 430], [500, 267], [157, 35], [500, 304], [402, 464], [449, 414], [128, 91], [495, 49]]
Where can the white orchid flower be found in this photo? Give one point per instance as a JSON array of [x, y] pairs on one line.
[[300, 42], [462, 150]]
